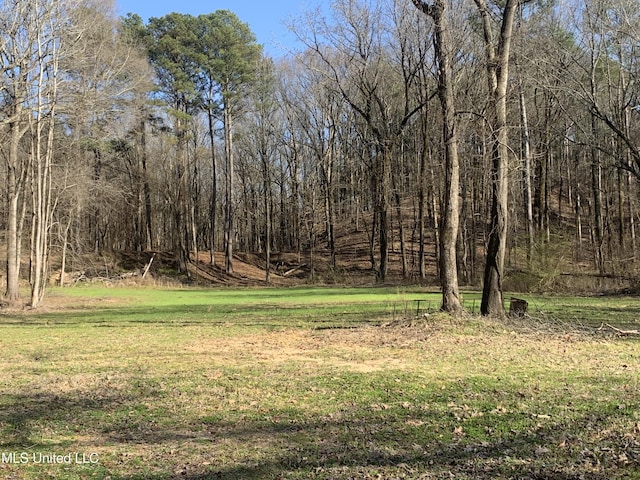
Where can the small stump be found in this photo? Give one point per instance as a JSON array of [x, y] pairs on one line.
[[518, 307]]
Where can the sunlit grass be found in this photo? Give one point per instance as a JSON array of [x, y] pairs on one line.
[[309, 307], [270, 384]]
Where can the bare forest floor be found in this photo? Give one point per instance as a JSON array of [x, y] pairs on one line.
[[554, 270], [353, 265]]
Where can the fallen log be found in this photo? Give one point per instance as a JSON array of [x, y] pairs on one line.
[[295, 269], [146, 269]]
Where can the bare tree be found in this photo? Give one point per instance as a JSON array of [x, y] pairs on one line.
[[497, 52], [355, 57], [48, 44], [30, 47], [18, 54], [259, 134], [444, 52]]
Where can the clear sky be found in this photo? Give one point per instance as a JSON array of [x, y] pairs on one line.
[[266, 19]]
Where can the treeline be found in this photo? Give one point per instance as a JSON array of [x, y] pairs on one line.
[[493, 128]]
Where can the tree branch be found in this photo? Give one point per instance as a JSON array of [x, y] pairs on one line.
[[635, 152], [424, 7]]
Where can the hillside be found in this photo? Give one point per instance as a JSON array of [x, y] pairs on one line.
[[554, 269]]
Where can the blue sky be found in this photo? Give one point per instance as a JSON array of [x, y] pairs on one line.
[[266, 19]]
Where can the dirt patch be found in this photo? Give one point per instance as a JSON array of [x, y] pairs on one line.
[[359, 349], [398, 347]]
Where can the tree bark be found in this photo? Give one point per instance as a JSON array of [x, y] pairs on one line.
[[596, 190], [229, 220], [384, 170], [268, 208], [14, 190], [148, 209], [422, 204], [398, 205], [451, 211], [327, 170], [12, 292], [526, 174], [497, 58], [214, 191]]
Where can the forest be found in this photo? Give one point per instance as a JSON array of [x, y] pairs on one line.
[[459, 142]]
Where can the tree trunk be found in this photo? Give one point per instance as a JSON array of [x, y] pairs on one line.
[[628, 164], [214, 190], [193, 197], [284, 228], [150, 244], [631, 212], [448, 259], [229, 220], [65, 248], [384, 165], [422, 207], [42, 162], [526, 173], [451, 212], [181, 202], [400, 219], [327, 179], [578, 226], [268, 205], [14, 237], [435, 214], [621, 209], [497, 58], [596, 189], [492, 299], [12, 293]]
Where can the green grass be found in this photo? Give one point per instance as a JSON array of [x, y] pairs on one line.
[[313, 383], [284, 308], [622, 311], [300, 307]]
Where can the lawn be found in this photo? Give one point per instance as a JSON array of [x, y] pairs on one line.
[[314, 383]]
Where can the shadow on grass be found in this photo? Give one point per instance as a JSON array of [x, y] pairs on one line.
[[361, 447], [356, 453], [22, 415], [353, 443], [266, 316]]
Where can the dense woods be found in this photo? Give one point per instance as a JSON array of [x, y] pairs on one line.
[[463, 141]]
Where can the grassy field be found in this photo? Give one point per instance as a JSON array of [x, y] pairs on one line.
[[313, 383]]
